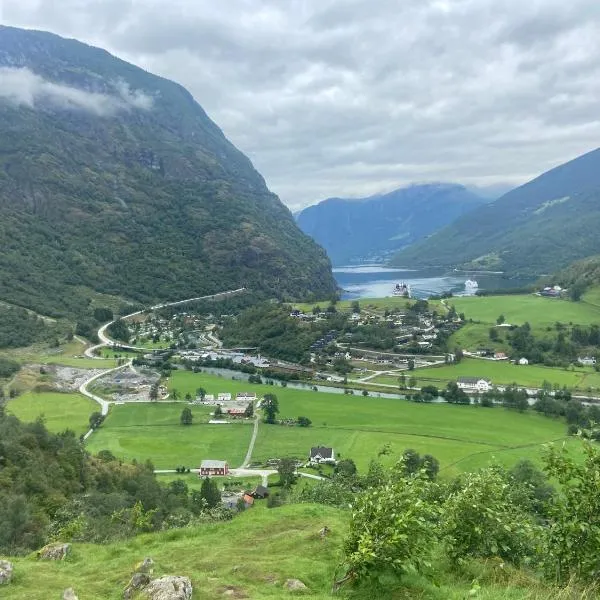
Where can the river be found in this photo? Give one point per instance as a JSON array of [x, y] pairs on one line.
[[376, 281]]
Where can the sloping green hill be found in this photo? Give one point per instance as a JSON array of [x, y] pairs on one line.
[[539, 227], [114, 180]]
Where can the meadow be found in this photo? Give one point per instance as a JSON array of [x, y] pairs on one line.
[[152, 431], [60, 411], [501, 373], [538, 311], [360, 427]]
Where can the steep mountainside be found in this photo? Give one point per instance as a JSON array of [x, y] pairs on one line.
[[373, 228], [113, 180], [539, 227]]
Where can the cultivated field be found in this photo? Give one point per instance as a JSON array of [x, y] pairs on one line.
[[539, 312], [359, 427], [152, 431], [501, 373], [60, 411]]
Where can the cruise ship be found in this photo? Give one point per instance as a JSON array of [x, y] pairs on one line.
[[402, 289]]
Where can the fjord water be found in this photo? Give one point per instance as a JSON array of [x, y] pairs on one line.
[[377, 281]]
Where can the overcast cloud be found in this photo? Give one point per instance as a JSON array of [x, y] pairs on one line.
[[21, 86], [352, 97]]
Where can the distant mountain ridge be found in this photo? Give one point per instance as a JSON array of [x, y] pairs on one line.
[[534, 229], [115, 181], [374, 228]]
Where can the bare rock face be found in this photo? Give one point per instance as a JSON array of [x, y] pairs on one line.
[[294, 585], [56, 551], [6, 571], [69, 594], [170, 587], [138, 582]]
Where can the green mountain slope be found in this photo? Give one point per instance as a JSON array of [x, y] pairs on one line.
[[539, 227], [376, 227], [115, 181]]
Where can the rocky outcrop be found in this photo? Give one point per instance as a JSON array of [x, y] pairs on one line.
[[146, 566], [294, 585], [6, 571], [56, 551], [138, 582], [69, 594], [170, 587]]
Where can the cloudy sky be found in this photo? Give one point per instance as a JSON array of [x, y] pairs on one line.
[[353, 97]]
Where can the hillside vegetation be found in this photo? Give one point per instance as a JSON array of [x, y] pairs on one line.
[[115, 181], [543, 225], [374, 228]]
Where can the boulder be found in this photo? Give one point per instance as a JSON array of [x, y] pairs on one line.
[[69, 594], [294, 585], [56, 551], [146, 566], [171, 587], [138, 582], [6, 571]]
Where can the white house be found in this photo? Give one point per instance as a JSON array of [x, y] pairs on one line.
[[474, 384], [209, 398], [245, 396], [587, 361], [224, 397], [322, 455], [523, 361]]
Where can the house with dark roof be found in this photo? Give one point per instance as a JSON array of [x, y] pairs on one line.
[[260, 492], [322, 455]]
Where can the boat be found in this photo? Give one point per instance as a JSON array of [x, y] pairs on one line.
[[402, 289], [471, 284]]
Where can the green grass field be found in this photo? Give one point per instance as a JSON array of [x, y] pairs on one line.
[[359, 427], [152, 431], [539, 312], [378, 304], [505, 373], [60, 411]]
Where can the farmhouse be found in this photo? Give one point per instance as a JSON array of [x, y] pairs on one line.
[[587, 361], [213, 467], [321, 454], [224, 397], [474, 384], [236, 412]]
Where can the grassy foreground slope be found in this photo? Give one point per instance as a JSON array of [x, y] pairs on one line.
[[252, 555]]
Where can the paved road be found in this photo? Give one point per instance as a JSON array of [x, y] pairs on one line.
[[252, 442], [263, 473]]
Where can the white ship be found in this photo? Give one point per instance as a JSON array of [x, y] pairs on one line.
[[471, 284], [402, 289]]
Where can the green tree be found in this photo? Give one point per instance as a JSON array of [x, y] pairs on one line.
[[249, 412], [411, 364], [501, 320], [175, 395], [154, 391], [356, 307], [572, 538], [186, 416], [346, 467], [402, 381], [392, 531], [286, 468], [96, 419], [201, 393], [218, 412], [210, 493], [270, 406], [304, 422]]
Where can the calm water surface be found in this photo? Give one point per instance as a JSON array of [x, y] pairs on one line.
[[376, 281]]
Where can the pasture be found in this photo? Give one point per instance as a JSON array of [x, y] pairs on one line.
[[538, 311], [60, 411], [152, 431], [502, 373], [359, 427]]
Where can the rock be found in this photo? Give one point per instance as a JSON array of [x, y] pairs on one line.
[[146, 566], [171, 587], [69, 594], [56, 551], [324, 532], [294, 585], [6, 571], [137, 582]]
